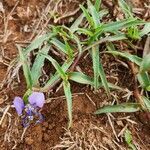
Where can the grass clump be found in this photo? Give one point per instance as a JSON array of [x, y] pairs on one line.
[[70, 46]]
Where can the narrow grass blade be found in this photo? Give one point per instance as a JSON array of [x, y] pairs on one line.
[[127, 10], [69, 50], [36, 70], [145, 65], [128, 139], [111, 86], [102, 13], [56, 76], [97, 5], [26, 95], [145, 30], [59, 45], [146, 102], [117, 25], [77, 22], [106, 39], [67, 91], [96, 63], [87, 15], [73, 37], [78, 44], [56, 65], [133, 33], [103, 79], [80, 78], [94, 13], [37, 42], [26, 68], [98, 70], [115, 87], [110, 46], [85, 31], [128, 136], [125, 107], [148, 88], [143, 79], [133, 58]]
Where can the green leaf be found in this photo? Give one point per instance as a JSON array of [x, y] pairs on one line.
[[57, 66], [97, 5], [87, 15], [148, 88], [36, 70], [96, 63], [26, 68], [67, 91], [59, 45], [56, 76], [69, 50], [85, 31], [125, 8], [77, 22], [133, 33], [103, 79], [128, 136], [110, 46], [26, 96], [133, 58], [117, 25], [143, 79], [80, 78], [106, 39], [128, 139], [37, 42], [72, 36], [145, 65], [125, 107], [115, 87], [103, 13], [145, 30], [94, 13], [146, 102], [78, 44]]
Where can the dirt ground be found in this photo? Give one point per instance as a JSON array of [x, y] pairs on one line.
[[20, 22]]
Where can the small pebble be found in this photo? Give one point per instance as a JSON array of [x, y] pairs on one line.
[[51, 126], [29, 141], [43, 129], [46, 137], [45, 124]]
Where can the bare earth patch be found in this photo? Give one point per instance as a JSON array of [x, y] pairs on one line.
[[20, 22]]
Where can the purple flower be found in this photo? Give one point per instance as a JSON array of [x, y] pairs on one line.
[[36, 101], [19, 105]]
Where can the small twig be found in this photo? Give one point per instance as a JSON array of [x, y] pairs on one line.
[[90, 99], [67, 15], [63, 97], [144, 145], [118, 145], [123, 130], [6, 20], [23, 133], [4, 114], [136, 92], [147, 47], [113, 129], [46, 10]]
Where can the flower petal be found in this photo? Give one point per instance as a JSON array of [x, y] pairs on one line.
[[19, 105], [37, 99]]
